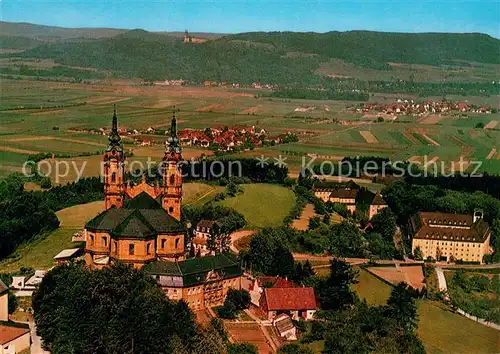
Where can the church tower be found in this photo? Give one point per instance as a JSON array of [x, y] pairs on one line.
[[172, 173], [114, 159]]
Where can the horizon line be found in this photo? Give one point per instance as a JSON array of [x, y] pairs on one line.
[[250, 31]]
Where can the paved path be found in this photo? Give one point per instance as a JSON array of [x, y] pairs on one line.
[[262, 324], [235, 236], [36, 341]]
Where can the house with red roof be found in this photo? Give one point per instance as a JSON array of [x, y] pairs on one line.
[[297, 302], [257, 286]]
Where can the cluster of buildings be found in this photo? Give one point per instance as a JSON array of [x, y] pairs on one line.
[[225, 138], [15, 337], [141, 225], [351, 195], [407, 107]]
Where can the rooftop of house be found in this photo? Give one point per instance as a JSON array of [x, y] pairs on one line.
[[283, 323], [451, 227], [3, 288], [378, 200], [275, 282], [206, 223], [195, 270], [12, 330], [67, 253], [289, 299], [332, 186], [141, 217]]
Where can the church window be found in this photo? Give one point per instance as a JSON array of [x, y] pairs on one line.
[[104, 242], [171, 210], [172, 179], [163, 243], [91, 240], [176, 243], [131, 249], [113, 177]]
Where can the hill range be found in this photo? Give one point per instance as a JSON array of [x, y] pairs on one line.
[[281, 58]]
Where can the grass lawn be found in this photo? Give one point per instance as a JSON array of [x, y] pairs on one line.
[[40, 252], [76, 216], [263, 205], [199, 193], [370, 288], [443, 331]]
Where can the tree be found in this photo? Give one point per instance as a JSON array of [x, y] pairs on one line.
[[384, 223], [417, 254], [345, 240], [402, 307], [240, 298], [314, 222], [269, 253], [232, 189], [78, 310], [45, 183], [294, 348], [335, 292], [228, 310], [243, 348]]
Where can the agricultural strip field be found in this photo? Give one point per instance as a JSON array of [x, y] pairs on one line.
[[53, 111]]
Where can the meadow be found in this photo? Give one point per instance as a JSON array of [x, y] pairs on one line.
[[263, 205], [42, 116]]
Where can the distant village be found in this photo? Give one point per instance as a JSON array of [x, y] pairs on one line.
[[410, 107], [218, 138], [210, 83]]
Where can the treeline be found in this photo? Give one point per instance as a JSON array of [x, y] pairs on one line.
[[24, 215], [56, 71], [489, 184], [332, 94], [226, 168]]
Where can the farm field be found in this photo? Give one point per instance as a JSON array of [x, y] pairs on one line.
[[263, 205], [45, 117]]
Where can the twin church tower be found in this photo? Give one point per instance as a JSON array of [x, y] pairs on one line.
[[116, 191]]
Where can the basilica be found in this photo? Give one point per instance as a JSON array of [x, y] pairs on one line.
[[141, 226], [141, 223]]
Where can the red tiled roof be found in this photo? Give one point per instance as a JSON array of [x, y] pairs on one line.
[[288, 299], [277, 282], [9, 333]]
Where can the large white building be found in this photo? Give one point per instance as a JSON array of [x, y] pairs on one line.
[[443, 236]]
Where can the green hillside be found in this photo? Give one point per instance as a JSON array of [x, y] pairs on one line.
[[14, 42], [376, 49]]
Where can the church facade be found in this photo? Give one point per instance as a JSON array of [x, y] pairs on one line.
[[141, 225]]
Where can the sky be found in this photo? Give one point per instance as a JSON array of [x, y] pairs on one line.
[[233, 16]]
